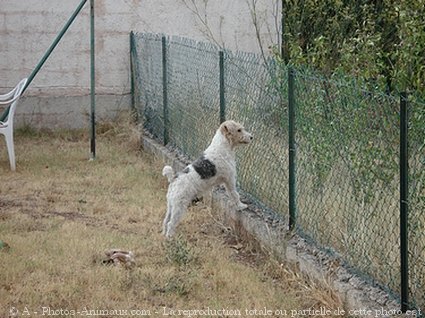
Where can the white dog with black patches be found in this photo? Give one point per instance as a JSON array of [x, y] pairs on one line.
[[216, 166]]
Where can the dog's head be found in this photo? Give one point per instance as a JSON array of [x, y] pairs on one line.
[[235, 133]]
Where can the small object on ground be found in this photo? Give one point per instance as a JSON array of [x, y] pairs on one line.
[[119, 257], [237, 247]]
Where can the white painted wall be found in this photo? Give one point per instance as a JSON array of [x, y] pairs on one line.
[[27, 28]]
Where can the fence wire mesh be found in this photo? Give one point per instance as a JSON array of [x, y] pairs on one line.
[[148, 82], [193, 94], [252, 98], [347, 148], [347, 174]]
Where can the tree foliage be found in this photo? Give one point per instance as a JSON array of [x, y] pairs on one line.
[[380, 41]]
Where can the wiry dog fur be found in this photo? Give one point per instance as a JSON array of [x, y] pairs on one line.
[[215, 166]]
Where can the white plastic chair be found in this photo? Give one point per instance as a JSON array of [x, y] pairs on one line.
[[6, 126]]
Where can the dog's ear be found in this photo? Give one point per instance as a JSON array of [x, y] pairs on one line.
[[224, 129]]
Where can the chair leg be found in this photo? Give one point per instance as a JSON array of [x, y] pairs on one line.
[[10, 149]]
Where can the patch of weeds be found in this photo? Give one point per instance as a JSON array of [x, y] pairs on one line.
[[179, 252], [180, 284], [131, 279], [27, 130]]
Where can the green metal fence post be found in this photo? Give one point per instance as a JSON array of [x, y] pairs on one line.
[[292, 150], [404, 203], [284, 43], [164, 90], [132, 75], [92, 85], [222, 88], [132, 69]]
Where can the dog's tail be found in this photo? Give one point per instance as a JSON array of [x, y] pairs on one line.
[[168, 172]]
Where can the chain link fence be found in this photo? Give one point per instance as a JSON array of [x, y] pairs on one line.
[[251, 98], [347, 147], [348, 174]]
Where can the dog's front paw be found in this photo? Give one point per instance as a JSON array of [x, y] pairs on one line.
[[242, 206]]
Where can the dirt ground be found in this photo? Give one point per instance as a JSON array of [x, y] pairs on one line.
[[60, 212]]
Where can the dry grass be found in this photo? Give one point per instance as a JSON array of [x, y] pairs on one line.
[[59, 212]]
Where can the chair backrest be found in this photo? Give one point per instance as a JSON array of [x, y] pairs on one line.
[[11, 99]]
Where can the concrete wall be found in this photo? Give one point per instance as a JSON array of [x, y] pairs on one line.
[[27, 28]]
